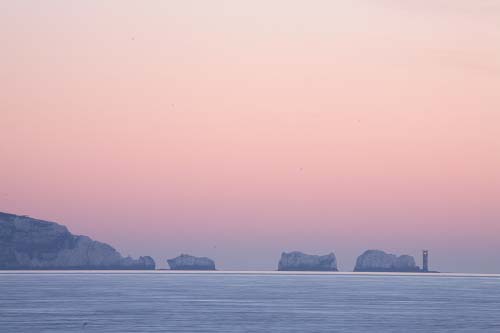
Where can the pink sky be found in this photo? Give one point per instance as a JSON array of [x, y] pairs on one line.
[[240, 129]]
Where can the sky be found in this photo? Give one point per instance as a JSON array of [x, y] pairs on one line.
[[241, 129]]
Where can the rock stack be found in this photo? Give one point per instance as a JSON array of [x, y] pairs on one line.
[[379, 261], [298, 261]]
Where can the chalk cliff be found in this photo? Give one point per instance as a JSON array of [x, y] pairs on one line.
[[27, 243], [379, 261], [187, 262], [298, 261]]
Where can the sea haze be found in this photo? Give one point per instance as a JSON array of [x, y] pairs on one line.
[[247, 301]]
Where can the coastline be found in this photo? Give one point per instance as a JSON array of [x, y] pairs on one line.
[[239, 272]]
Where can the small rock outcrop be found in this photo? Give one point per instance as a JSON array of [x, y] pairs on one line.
[[379, 261], [191, 263], [298, 261], [27, 243]]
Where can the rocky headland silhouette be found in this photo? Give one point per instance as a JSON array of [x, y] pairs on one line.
[[27, 243]]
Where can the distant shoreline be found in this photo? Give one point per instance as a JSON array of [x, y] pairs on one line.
[[221, 272]]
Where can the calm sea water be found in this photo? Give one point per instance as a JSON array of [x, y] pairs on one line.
[[246, 302]]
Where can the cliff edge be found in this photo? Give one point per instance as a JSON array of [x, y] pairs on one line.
[[27, 243]]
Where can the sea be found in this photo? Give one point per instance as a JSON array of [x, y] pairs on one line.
[[163, 301]]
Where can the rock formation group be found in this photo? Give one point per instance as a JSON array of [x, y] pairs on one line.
[[369, 261], [27, 243]]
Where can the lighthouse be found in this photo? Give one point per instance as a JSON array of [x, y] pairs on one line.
[[425, 261]]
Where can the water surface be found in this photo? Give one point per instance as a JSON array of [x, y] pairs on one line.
[[247, 302]]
